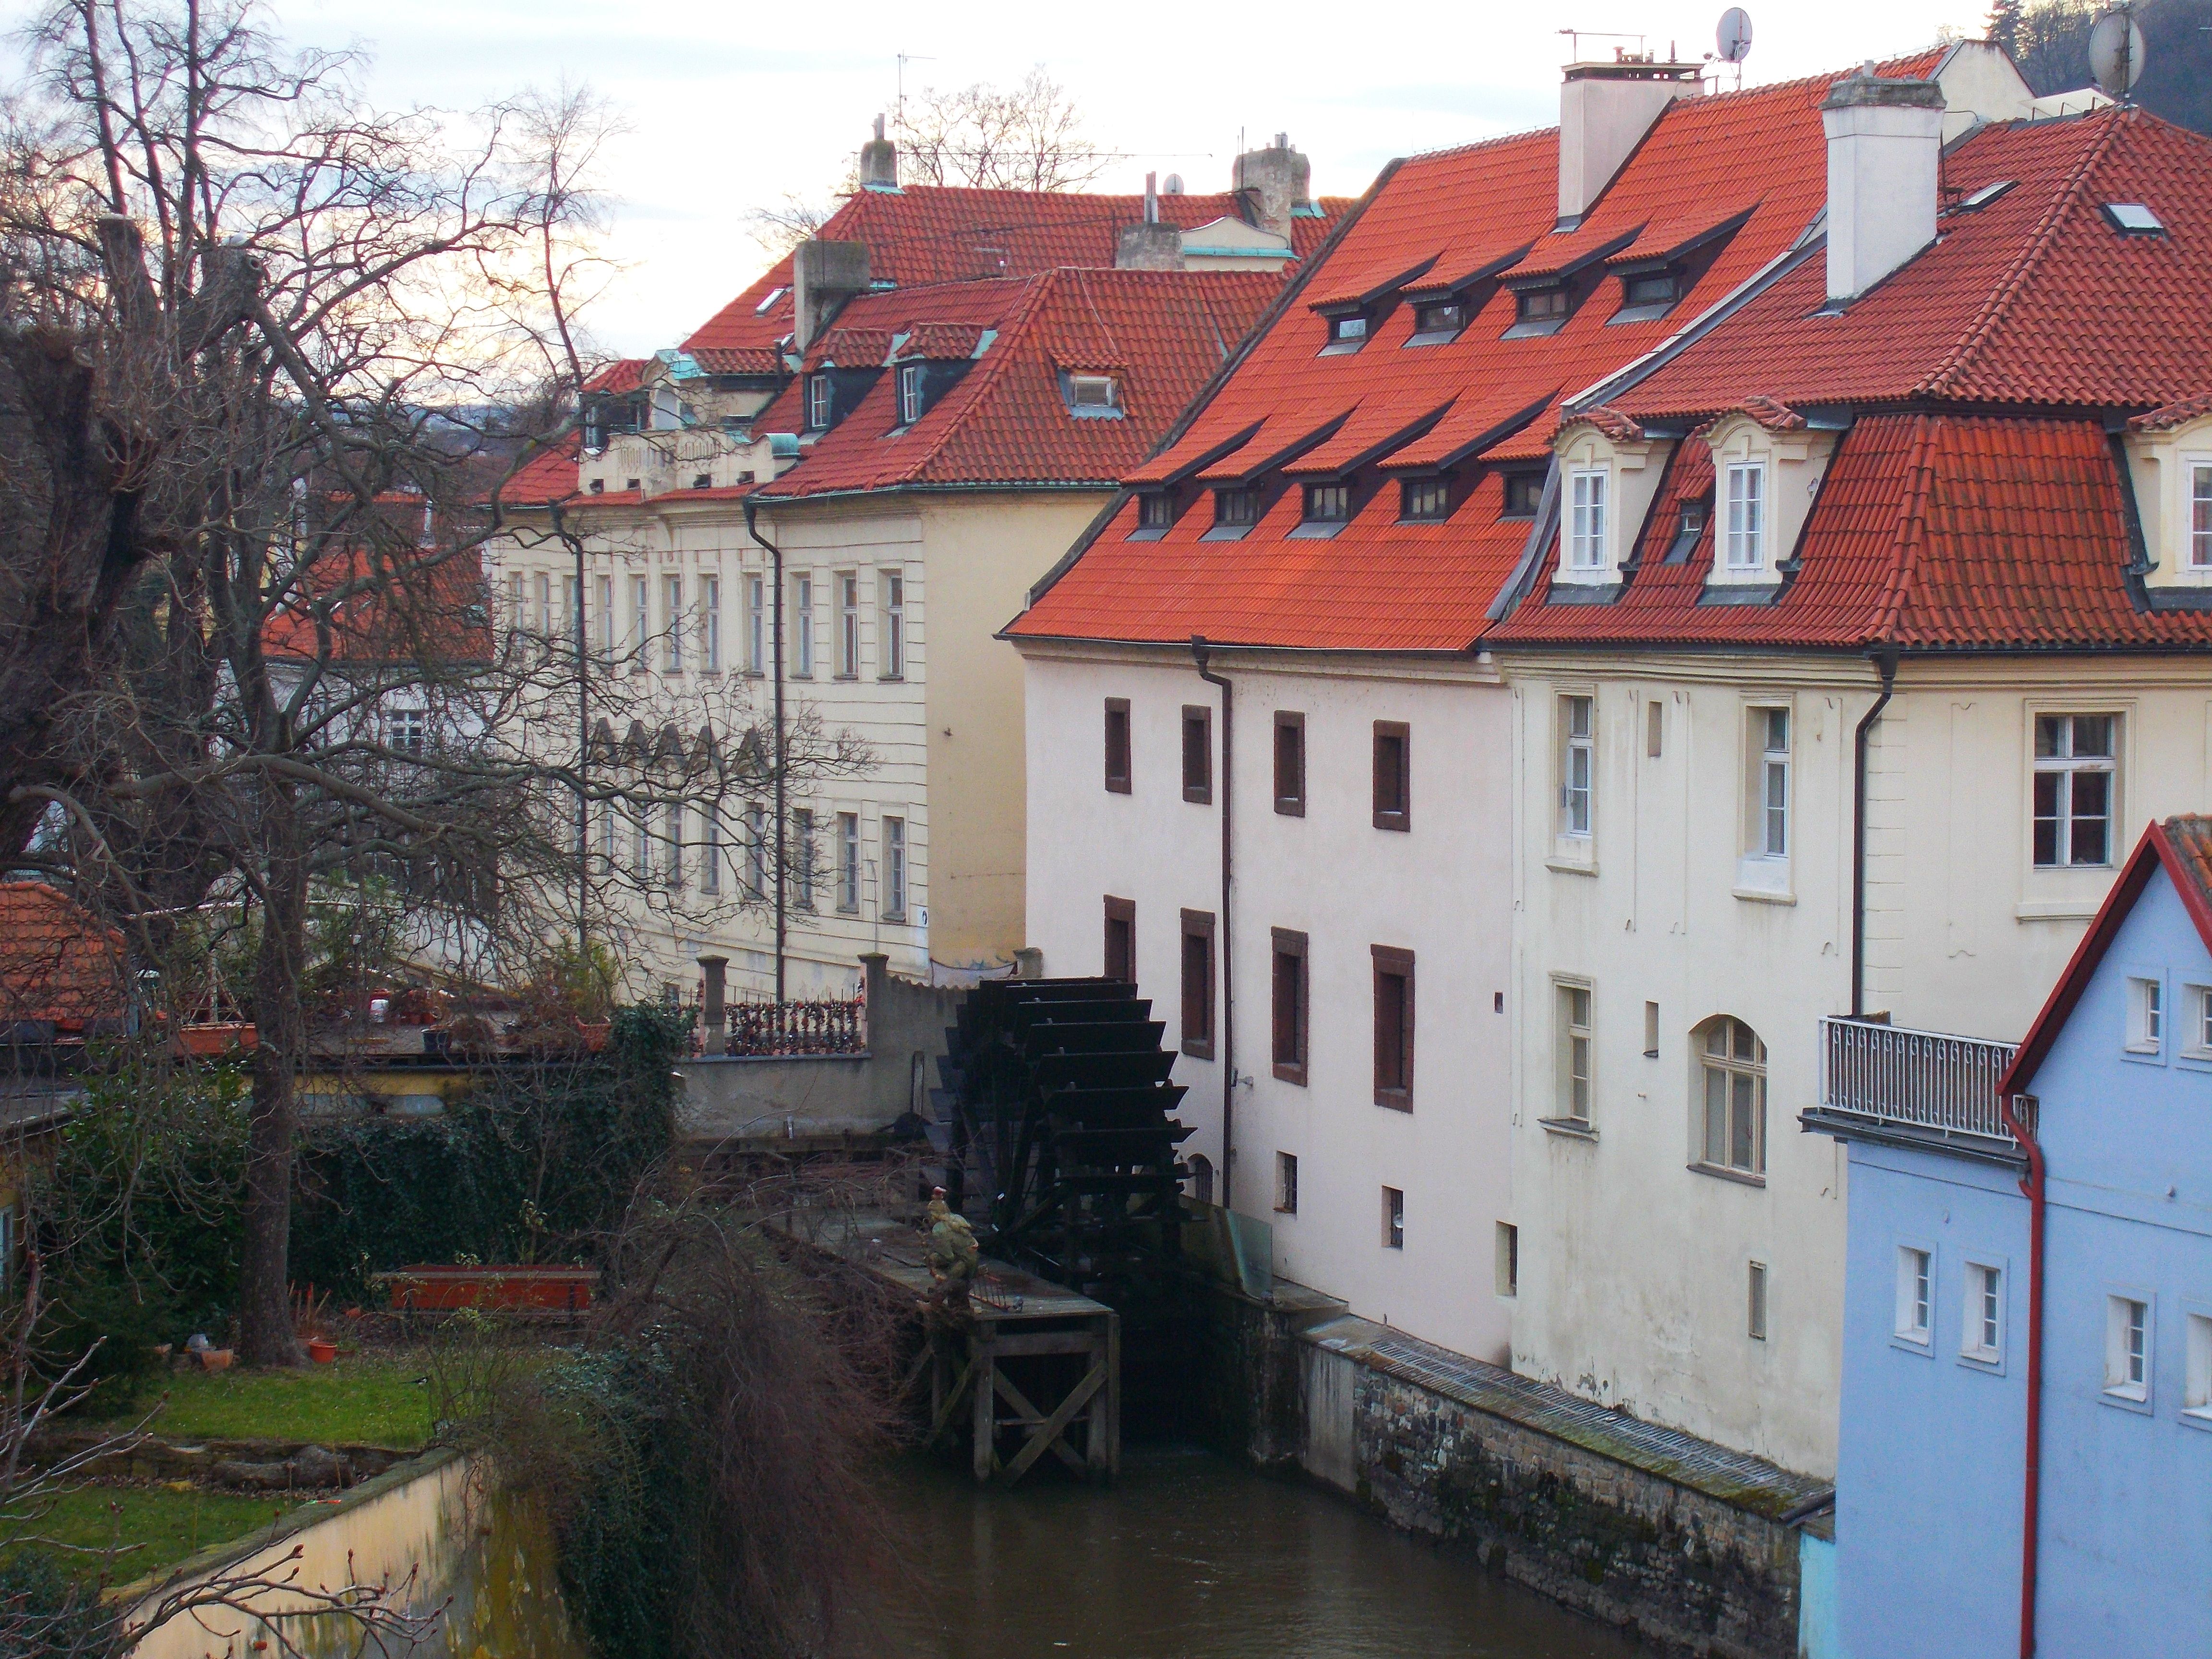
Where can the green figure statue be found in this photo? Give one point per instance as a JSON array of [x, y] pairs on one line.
[[953, 1254]]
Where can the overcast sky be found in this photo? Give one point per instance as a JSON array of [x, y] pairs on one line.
[[731, 107]]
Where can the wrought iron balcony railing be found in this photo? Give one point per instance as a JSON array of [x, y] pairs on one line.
[[1926, 1080]]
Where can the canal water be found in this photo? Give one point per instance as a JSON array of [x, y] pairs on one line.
[[1189, 1555]]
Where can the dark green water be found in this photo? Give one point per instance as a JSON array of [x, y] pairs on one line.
[[1189, 1556]]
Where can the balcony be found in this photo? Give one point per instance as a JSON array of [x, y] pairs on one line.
[[1925, 1086]]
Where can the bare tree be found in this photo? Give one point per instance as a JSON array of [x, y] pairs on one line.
[[1028, 138]]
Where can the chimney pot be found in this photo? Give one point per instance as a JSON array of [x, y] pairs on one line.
[[1885, 163], [1151, 198], [1278, 181]]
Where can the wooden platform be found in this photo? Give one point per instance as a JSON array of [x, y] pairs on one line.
[[1016, 1327]]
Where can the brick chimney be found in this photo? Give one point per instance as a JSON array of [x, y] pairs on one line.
[[1605, 110], [1884, 156], [879, 161], [823, 276], [1280, 181]]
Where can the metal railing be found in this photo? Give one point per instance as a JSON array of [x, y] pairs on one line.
[[828, 1027], [1924, 1079]]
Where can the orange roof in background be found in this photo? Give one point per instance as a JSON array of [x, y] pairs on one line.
[[400, 613], [57, 962], [926, 234], [1160, 334]]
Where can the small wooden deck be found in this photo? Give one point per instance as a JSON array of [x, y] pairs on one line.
[[1017, 1329]]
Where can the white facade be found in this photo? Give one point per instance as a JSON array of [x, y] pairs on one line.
[[1437, 890]]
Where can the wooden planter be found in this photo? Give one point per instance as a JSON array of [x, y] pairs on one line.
[[530, 1290]]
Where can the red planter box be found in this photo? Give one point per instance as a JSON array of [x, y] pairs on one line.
[[429, 1288]]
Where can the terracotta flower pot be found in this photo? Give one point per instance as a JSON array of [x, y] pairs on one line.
[[321, 1350], [214, 1359]]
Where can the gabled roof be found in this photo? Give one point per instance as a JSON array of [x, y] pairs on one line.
[[926, 234], [2182, 847], [1160, 335]]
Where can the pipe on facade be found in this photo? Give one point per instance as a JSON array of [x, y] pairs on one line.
[[2033, 1186], [1199, 654], [583, 758], [1885, 662], [776, 577]]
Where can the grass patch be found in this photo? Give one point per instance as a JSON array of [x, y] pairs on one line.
[[167, 1526], [374, 1401]]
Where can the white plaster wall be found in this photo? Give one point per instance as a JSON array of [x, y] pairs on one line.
[[1633, 1266], [1439, 889]]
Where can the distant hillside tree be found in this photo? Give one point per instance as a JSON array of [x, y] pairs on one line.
[[2049, 41]]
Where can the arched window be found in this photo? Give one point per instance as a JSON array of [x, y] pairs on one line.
[[1732, 1079], [1201, 1177]]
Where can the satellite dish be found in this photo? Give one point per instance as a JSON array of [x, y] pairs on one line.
[[2116, 51], [1734, 36]]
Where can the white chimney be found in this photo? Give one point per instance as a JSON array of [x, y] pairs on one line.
[[1605, 110], [1885, 158]]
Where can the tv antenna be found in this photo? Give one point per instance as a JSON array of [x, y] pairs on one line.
[[904, 59], [1733, 40], [2116, 51]]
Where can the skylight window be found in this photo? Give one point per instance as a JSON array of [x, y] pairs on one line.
[[768, 304], [2134, 219], [1987, 194]]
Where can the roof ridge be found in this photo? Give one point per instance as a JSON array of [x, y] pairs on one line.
[[1994, 309], [1919, 475], [978, 387]]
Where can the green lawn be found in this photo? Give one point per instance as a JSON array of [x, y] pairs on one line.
[[166, 1526], [376, 1402]]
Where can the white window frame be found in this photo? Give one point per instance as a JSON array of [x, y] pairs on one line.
[[2194, 1013], [542, 607], [1744, 522], [671, 850], [890, 623], [641, 621], [1577, 763], [1770, 778], [604, 587], [802, 832], [911, 386], [818, 402], [849, 863], [671, 610], [1728, 1069], [1589, 510], [1982, 1312], [2147, 1014], [2066, 767], [2197, 1380], [1914, 1321], [1394, 1218], [1574, 1038], [410, 730], [756, 851], [1092, 391], [518, 619], [2131, 1349], [710, 624], [641, 848], [802, 637], [756, 624], [895, 895], [2196, 503], [710, 851], [848, 624]]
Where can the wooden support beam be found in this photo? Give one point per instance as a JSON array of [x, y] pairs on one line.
[[1050, 1432], [941, 1419], [984, 1364]]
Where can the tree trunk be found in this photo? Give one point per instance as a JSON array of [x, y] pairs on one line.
[[266, 1336]]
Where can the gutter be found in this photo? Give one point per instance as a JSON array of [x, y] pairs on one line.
[[1199, 655], [2033, 1186], [775, 558], [1885, 662]]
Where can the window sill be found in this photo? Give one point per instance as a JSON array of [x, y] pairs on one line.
[[1318, 530], [1289, 809], [1296, 1074], [1196, 1051], [1765, 895], [848, 909], [2122, 1400], [1567, 866], [1569, 1129], [2055, 909], [890, 679], [1920, 1345], [1721, 1172], [1227, 532], [1990, 1365], [1287, 1209], [2198, 1417]]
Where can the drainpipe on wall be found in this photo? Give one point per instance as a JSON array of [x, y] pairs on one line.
[[2033, 1186], [776, 564], [1199, 655], [1885, 662]]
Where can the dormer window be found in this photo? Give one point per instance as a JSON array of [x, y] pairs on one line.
[[1348, 330], [1235, 509], [598, 486], [911, 389], [2200, 515], [1524, 495], [1091, 391], [1327, 503], [1155, 510], [818, 403], [1587, 491], [1425, 500], [1440, 316], [1689, 525], [1542, 305], [1746, 515], [1651, 288]]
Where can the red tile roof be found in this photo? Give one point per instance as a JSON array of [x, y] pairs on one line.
[[1160, 334], [57, 962], [399, 612], [926, 235], [1759, 155], [623, 374]]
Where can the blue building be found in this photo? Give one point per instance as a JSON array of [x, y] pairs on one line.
[[2111, 1120]]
